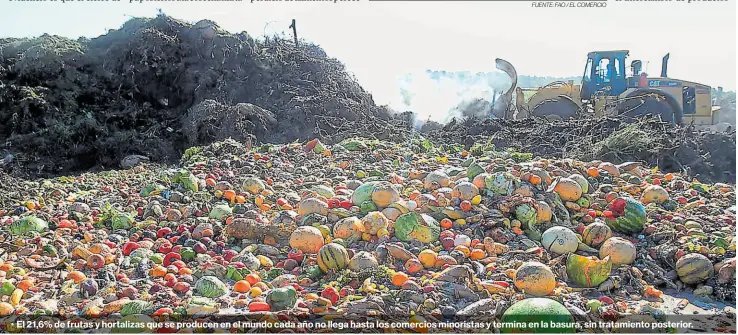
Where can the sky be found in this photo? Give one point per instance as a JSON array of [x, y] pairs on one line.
[[379, 41]]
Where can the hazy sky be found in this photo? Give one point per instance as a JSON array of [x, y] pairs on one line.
[[380, 40]]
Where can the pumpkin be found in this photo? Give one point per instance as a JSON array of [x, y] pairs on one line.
[[363, 193], [595, 234], [416, 226], [629, 216], [620, 250], [347, 228], [385, 194], [588, 271], [611, 168], [535, 278], [312, 205], [478, 181], [436, 179], [559, 240], [332, 256], [254, 185], [373, 222], [307, 239], [363, 261], [567, 189], [521, 316], [465, 191], [583, 183], [654, 194], [543, 212], [694, 268]]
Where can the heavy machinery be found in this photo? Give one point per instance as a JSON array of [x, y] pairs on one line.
[[606, 89]]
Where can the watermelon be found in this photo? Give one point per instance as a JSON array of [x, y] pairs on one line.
[[332, 256], [518, 318], [629, 216], [415, 226], [694, 268]]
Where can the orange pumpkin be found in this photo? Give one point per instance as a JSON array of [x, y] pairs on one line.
[[544, 212], [568, 189]]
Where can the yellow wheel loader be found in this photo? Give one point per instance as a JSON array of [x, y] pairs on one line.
[[607, 90]]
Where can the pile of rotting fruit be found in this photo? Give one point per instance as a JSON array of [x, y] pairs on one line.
[[365, 229]]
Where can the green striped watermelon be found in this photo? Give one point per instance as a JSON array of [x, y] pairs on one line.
[[629, 215]]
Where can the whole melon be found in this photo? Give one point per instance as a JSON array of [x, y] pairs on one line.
[[347, 227], [654, 194], [583, 183], [694, 268], [307, 239], [373, 222], [332, 256], [363, 261], [312, 205], [620, 250], [567, 189], [519, 316], [559, 240], [543, 212], [629, 215], [595, 234], [465, 191], [363, 193], [535, 278], [436, 179], [385, 194]]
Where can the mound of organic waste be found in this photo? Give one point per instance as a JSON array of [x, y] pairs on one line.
[[704, 154], [156, 86]]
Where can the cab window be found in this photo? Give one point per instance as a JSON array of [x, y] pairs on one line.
[[603, 70], [588, 71]]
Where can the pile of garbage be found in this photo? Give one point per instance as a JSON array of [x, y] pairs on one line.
[[369, 229], [706, 154], [157, 86]]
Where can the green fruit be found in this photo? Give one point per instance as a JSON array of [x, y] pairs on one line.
[[518, 317], [474, 170], [7, 288], [187, 253], [332, 256], [415, 226], [630, 216], [588, 271], [363, 193]]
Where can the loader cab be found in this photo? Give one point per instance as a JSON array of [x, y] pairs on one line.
[[604, 74]]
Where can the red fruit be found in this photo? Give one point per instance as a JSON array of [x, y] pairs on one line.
[[447, 243], [607, 214], [466, 205], [334, 203], [181, 287], [174, 239], [96, 261], [176, 248], [128, 247], [229, 254], [447, 233], [111, 244], [179, 264], [428, 289], [200, 248], [170, 258], [171, 282], [163, 232], [296, 271], [346, 204], [331, 294], [163, 311], [297, 255], [679, 254], [607, 300], [592, 213], [165, 248]]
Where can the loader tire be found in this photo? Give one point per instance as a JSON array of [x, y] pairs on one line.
[[559, 108], [651, 102]]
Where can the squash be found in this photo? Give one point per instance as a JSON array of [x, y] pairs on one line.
[[436, 179], [583, 183], [620, 250], [611, 168], [654, 194], [535, 278], [478, 181], [307, 239], [416, 226], [332, 256], [694, 268], [312, 205], [629, 216], [363, 193], [567, 189], [347, 228], [595, 234], [363, 261], [385, 194], [559, 240], [373, 222], [588, 271], [543, 212], [465, 191]]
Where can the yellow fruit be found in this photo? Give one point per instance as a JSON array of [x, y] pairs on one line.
[[535, 278], [568, 189], [428, 258], [620, 250], [655, 194], [307, 239]]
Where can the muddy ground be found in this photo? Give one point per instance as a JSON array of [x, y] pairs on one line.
[[157, 86]]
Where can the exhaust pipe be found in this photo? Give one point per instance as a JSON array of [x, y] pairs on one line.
[[664, 63]]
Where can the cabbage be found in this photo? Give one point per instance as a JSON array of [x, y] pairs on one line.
[[136, 307], [28, 224], [122, 221], [221, 211], [501, 183], [211, 287], [187, 179], [151, 189], [527, 215], [199, 306]]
